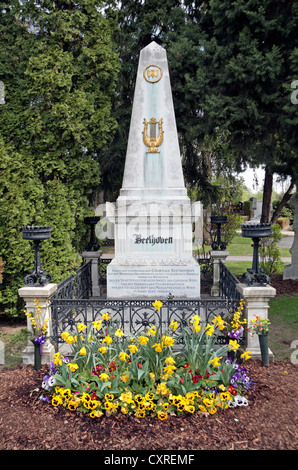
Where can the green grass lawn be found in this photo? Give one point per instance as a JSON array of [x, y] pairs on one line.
[[15, 342], [283, 315], [241, 246]]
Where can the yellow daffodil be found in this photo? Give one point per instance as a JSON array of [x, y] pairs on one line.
[[119, 333], [143, 340], [157, 347], [169, 369], [81, 327], [83, 351], [195, 319], [124, 377], [107, 339], [103, 349], [219, 321], [69, 339], [167, 340], [157, 304], [152, 331], [123, 356], [174, 325], [97, 324], [246, 355], [106, 316], [170, 360], [133, 348], [233, 345], [209, 330], [215, 361]]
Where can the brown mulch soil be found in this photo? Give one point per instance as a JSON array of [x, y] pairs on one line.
[[269, 422]]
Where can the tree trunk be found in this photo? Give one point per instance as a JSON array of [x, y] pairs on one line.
[[286, 197], [267, 193]]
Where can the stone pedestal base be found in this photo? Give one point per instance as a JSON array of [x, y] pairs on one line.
[[256, 303], [43, 296], [47, 357]]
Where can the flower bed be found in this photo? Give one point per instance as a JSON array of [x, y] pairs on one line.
[[110, 371]]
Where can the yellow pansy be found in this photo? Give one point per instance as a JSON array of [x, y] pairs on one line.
[[104, 377], [58, 359], [96, 414], [73, 367]]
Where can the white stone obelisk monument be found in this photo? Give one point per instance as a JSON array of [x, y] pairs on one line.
[[153, 215]]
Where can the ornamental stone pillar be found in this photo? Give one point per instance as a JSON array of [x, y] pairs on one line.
[[217, 257], [42, 295], [256, 303], [93, 257]]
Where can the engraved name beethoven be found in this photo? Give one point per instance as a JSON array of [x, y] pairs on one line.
[[151, 239]]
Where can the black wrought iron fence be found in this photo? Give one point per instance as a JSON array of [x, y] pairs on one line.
[[76, 286], [228, 283], [72, 304]]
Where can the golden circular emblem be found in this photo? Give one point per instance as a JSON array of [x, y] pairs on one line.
[[152, 73]]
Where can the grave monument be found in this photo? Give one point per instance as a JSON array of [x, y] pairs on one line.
[[153, 216]]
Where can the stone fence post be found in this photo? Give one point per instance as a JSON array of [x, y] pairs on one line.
[[256, 303], [217, 257], [43, 296], [93, 257]]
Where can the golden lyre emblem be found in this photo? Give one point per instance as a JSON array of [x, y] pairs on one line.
[[152, 73], [151, 138]]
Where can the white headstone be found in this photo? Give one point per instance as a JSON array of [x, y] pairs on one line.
[[291, 270], [153, 215]]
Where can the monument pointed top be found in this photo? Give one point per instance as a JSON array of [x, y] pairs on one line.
[[153, 169], [153, 45]]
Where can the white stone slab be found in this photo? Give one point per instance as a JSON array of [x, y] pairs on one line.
[[153, 282]]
